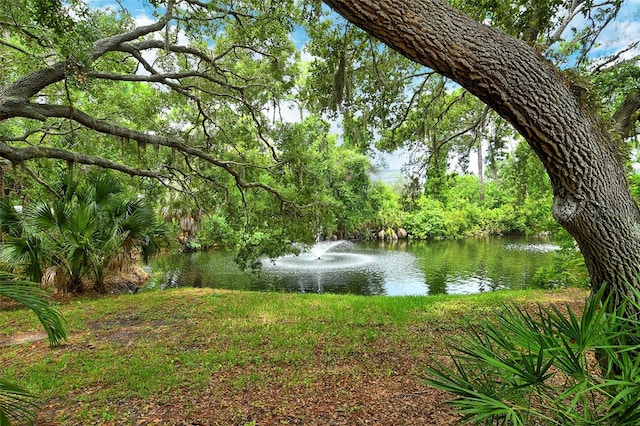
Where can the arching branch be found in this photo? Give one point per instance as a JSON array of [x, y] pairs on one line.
[[206, 79], [18, 155], [627, 114]]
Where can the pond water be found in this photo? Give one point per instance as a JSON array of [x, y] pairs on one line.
[[408, 268]]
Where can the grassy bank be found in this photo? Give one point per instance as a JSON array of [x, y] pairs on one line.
[[200, 356]]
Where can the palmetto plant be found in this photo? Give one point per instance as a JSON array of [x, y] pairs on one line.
[[80, 234], [16, 404], [549, 368]]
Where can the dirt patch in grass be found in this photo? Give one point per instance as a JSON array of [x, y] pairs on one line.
[[18, 339], [336, 397]]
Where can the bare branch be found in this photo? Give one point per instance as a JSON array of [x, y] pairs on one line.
[[163, 77], [42, 183], [159, 44], [571, 12], [614, 60], [595, 33], [231, 12], [414, 97]]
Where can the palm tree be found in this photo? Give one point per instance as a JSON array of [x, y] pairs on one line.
[[134, 229], [17, 404]]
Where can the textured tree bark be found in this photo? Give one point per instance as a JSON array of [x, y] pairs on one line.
[[591, 197]]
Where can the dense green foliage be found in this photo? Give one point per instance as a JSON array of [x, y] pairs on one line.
[[207, 128], [568, 268], [517, 202], [193, 108]]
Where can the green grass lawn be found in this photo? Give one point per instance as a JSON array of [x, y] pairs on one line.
[[133, 359]]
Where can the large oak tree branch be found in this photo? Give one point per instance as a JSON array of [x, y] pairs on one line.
[[14, 95], [490, 64], [31, 84], [504, 72], [100, 47], [100, 126], [15, 100], [627, 114], [20, 155]]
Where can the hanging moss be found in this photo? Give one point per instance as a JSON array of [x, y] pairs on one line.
[[337, 94]]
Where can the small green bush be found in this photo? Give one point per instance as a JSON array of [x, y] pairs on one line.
[[568, 268], [428, 221]]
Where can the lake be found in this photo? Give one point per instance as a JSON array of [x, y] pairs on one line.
[[460, 266]]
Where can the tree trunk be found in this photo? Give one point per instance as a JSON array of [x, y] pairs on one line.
[[591, 197], [480, 166]]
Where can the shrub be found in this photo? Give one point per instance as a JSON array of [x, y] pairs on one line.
[[428, 221], [568, 268], [548, 367], [91, 230]]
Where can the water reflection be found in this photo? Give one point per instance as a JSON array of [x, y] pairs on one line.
[[486, 264], [416, 268]]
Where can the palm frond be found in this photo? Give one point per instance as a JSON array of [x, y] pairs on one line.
[[527, 368], [36, 299], [16, 405], [10, 219], [26, 252], [43, 216], [103, 186]]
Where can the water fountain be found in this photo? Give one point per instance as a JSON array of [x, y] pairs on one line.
[[309, 270], [321, 247], [341, 266], [324, 256]]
